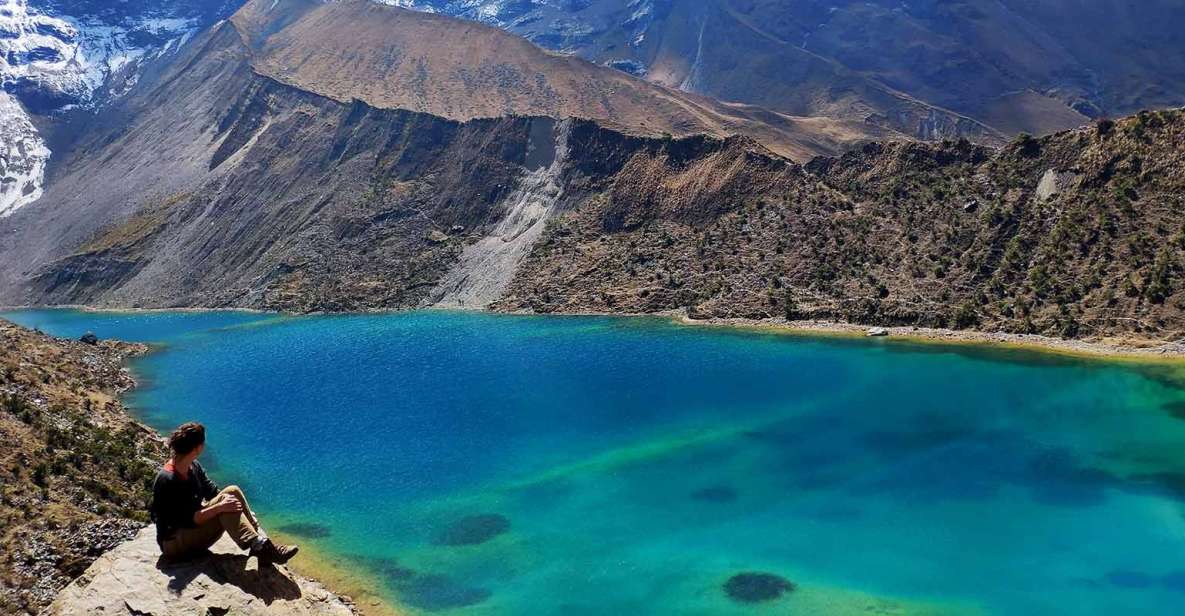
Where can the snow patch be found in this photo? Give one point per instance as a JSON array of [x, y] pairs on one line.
[[62, 60], [23, 156]]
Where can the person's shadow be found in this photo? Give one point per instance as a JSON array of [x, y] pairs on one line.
[[267, 582]]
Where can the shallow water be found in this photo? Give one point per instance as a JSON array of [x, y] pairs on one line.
[[483, 464]]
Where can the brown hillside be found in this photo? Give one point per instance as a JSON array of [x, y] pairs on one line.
[[1080, 234], [74, 467], [392, 58]]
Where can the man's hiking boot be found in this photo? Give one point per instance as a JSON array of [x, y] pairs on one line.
[[269, 552]]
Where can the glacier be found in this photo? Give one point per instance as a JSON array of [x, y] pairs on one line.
[[23, 156]]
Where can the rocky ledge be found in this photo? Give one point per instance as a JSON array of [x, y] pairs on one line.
[[132, 579]]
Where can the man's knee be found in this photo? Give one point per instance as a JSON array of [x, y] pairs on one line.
[[235, 490]]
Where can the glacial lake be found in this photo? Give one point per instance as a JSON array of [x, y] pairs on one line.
[[466, 463]]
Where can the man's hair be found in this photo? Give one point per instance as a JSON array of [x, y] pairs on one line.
[[187, 437]]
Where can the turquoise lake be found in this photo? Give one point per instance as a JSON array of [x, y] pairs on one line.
[[485, 464]]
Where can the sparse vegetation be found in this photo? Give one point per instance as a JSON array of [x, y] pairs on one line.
[[73, 465], [884, 236]]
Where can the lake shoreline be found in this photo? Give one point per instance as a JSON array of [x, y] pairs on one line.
[[1122, 349], [1109, 350], [1105, 349]]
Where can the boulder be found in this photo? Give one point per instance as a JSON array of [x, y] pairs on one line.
[[877, 331], [134, 579], [89, 338]]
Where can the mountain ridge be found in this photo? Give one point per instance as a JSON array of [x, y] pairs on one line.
[[391, 57]]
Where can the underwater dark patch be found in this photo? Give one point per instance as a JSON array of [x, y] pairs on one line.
[[386, 568], [1130, 579], [958, 471], [1059, 481], [472, 530], [751, 587], [1175, 408], [1171, 484], [1174, 581], [436, 592], [896, 443], [309, 531], [715, 494], [1136, 580]]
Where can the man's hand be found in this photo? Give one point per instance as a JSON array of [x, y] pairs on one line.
[[229, 504]]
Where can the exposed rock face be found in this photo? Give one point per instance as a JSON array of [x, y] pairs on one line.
[[485, 267], [74, 467], [131, 579], [883, 236]]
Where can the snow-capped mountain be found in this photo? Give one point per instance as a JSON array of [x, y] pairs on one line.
[[57, 53], [60, 54], [23, 157], [569, 26]]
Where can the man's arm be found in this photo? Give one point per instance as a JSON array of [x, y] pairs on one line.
[[209, 488]]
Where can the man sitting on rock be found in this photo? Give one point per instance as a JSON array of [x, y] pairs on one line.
[[191, 514]]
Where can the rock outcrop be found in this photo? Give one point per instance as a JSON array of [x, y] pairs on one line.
[[132, 579], [74, 466]]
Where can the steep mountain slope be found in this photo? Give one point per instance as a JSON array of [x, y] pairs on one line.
[[926, 68], [239, 117], [23, 157], [1077, 234]]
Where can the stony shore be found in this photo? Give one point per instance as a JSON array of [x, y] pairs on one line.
[[1112, 348]]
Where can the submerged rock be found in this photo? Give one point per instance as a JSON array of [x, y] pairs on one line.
[[473, 530], [387, 568], [1175, 408], [434, 592], [133, 579], [715, 494], [309, 531], [753, 587]]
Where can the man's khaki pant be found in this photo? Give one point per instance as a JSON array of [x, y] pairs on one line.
[[242, 527]]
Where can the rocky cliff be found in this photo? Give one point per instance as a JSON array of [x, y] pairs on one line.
[[74, 467], [132, 579]]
